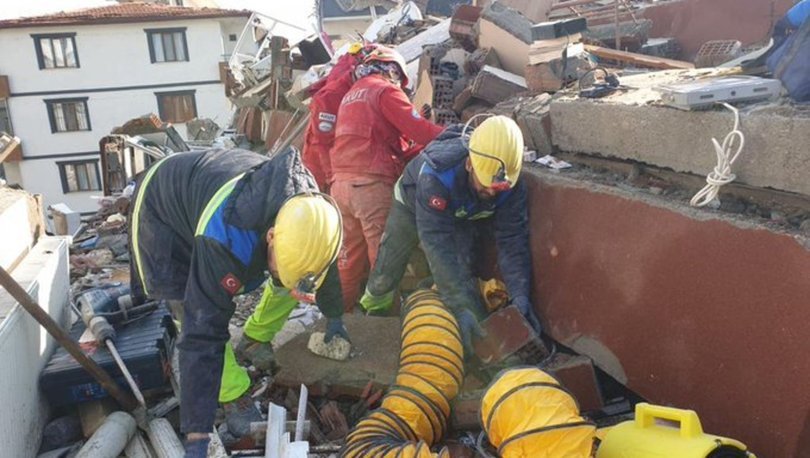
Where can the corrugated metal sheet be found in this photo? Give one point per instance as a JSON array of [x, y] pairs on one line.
[[25, 346]]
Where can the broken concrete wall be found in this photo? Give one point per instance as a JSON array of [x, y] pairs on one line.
[[694, 22], [685, 307], [633, 126], [22, 223], [25, 347], [535, 10], [507, 32]]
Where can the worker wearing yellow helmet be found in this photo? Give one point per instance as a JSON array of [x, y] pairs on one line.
[[205, 227], [458, 181]]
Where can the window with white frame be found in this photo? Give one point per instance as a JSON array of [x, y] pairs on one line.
[[79, 176], [167, 45], [68, 115], [56, 50]]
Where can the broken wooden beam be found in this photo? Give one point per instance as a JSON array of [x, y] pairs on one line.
[[564, 5], [640, 60]]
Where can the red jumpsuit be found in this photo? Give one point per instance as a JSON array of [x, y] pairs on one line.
[[320, 134], [370, 151]]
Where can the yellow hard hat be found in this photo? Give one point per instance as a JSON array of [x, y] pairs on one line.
[[308, 233], [496, 152], [355, 47]]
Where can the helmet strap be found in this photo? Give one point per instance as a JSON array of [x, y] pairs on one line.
[[500, 182]]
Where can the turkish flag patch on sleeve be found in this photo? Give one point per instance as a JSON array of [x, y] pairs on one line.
[[231, 284], [437, 203]]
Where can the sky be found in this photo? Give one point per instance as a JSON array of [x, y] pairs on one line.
[[294, 11]]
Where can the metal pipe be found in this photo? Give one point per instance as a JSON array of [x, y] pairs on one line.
[[618, 31], [110, 438], [125, 370], [164, 440], [126, 400]]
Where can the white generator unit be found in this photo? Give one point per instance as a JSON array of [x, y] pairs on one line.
[[701, 94]]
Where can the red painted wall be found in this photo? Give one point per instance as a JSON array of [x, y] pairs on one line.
[[694, 22], [701, 314]]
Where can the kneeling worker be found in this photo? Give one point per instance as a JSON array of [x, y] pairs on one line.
[[205, 226], [456, 181]]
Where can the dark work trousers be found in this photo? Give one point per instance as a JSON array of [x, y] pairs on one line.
[[401, 237]]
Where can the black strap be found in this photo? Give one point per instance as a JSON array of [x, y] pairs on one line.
[[544, 429], [514, 390]]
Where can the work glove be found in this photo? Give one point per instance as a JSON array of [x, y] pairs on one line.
[[376, 305], [197, 448], [468, 324], [335, 327], [525, 306]]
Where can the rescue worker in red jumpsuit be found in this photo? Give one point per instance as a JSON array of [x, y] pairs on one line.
[[323, 109], [375, 128]]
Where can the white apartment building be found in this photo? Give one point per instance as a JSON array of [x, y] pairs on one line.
[[67, 79]]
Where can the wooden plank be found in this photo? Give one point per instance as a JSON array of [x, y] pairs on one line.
[[563, 5], [638, 59], [10, 149], [5, 90]]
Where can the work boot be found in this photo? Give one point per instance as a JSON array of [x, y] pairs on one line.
[[239, 414], [260, 354]]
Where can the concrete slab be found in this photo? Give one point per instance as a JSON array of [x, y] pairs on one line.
[[21, 220], [25, 346], [633, 125], [689, 308], [508, 33], [375, 342]]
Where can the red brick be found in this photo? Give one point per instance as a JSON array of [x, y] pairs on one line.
[[464, 411], [507, 332], [577, 375]]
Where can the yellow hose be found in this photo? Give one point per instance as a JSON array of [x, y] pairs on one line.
[[527, 414], [413, 415]]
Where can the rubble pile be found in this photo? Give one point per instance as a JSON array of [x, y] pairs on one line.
[[101, 251], [517, 59]]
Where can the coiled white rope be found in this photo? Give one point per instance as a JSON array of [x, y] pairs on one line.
[[727, 153]]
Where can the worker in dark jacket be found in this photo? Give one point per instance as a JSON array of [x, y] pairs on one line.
[[454, 182], [376, 122], [205, 227]]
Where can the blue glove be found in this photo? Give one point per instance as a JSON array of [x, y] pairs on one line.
[[468, 323], [335, 327], [197, 448], [525, 306]]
